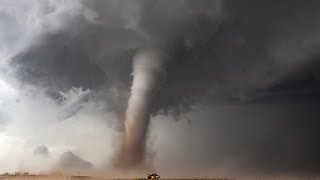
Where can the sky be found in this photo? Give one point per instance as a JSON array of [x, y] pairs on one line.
[[240, 95]]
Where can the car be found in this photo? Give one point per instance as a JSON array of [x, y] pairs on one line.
[[153, 176]]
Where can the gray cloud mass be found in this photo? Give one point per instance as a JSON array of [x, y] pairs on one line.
[[42, 151], [251, 67], [72, 161]]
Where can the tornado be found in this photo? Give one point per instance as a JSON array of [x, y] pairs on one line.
[[148, 73]]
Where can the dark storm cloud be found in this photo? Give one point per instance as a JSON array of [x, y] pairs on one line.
[[102, 53], [42, 151], [257, 46], [222, 45], [250, 139], [220, 51], [71, 161], [265, 138]]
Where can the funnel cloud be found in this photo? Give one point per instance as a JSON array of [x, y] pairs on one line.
[[148, 72]]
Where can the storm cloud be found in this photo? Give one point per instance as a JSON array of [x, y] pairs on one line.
[[251, 67]]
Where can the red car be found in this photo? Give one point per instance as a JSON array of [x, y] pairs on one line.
[[153, 176]]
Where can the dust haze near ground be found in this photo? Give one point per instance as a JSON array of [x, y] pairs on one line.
[[241, 93]]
